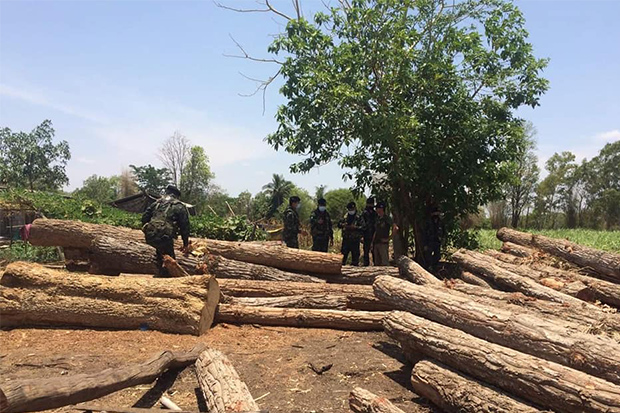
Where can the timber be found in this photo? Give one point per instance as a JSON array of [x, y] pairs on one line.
[[548, 338], [518, 250], [473, 279], [330, 302], [301, 317], [33, 295], [363, 401], [547, 384], [76, 234], [603, 262], [114, 256], [581, 286], [41, 394], [220, 384], [455, 392], [360, 275], [412, 271], [226, 268], [359, 297]]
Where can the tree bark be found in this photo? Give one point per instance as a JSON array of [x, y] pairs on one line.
[[331, 302], [41, 394], [414, 272], [603, 262], [359, 297], [360, 275], [112, 256], [76, 234], [225, 268], [301, 317], [363, 401], [34, 295], [542, 382], [455, 392], [577, 285], [488, 267], [549, 338], [221, 386], [518, 250], [473, 279]]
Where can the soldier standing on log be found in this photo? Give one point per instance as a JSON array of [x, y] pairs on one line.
[[381, 240], [292, 228], [162, 221], [370, 216], [353, 227], [321, 228]]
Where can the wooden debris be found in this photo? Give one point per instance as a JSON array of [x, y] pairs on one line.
[[412, 271], [226, 268], [363, 401], [473, 279], [331, 302]]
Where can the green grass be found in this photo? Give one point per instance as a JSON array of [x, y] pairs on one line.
[[604, 240], [22, 251]]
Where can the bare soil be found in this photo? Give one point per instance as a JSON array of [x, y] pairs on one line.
[[273, 361]]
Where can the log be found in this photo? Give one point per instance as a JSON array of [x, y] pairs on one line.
[[301, 317], [220, 384], [225, 268], [486, 266], [578, 285], [455, 392], [360, 275], [603, 262], [36, 296], [363, 401], [332, 302], [112, 256], [518, 250], [549, 338], [41, 394], [359, 297], [412, 271], [108, 409], [542, 382], [473, 279]]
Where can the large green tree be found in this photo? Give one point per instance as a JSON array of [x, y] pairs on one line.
[[100, 188], [419, 92], [32, 160], [150, 179], [602, 184], [196, 176], [278, 190]]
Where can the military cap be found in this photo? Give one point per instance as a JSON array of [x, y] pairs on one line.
[[171, 189], [380, 205], [351, 205], [294, 199], [322, 202], [370, 201]]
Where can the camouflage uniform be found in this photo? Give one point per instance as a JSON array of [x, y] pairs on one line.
[[353, 227], [370, 217], [175, 214], [321, 230], [291, 230], [382, 240], [433, 233]]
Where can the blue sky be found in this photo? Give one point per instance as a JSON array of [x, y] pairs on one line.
[[118, 77]]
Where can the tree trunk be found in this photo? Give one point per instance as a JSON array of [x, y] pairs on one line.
[[568, 282], [37, 394], [486, 266], [34, 295], [518, 250], [414, 272], [549, 338], [76, 234], [363, 401], [221, 386], [360, 275], [473, 279], [331, 302], [540, 381], [296, 317], [112, 256], [605, 263], [225, 268], [359, 297], [455, 392]]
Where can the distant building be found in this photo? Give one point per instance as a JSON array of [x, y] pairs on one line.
[[138, 203], [13, 216]]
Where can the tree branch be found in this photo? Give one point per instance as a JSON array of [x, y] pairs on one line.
[[263, 84], [247, 56]]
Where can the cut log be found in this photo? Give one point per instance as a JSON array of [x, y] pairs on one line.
[[76, 234], [112, 256], [549, 338], [412, 271], [603, 262], [41, 394], [363, 401], [330, 302], [542, 382], [488, 267], [173, 267], [301, 317], [221, 386], [518, 250], [359, 297], [578, 285], [225, 268], [360, 275], [473, 279], [455, 392], [35, 296]]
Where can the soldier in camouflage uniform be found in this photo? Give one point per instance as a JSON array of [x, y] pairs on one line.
[[433, 234], [321, 228], [353, 227], [370, 217], [292, 228], [162, 222]]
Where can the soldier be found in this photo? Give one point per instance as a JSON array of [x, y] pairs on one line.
[[433, 233], [353, 227], [370, 216], [321, 228], [381, 240], [162, 221], [290, 234]]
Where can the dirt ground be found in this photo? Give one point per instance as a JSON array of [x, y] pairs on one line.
[[273, 361]]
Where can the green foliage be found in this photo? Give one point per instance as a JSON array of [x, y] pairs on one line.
[[32, 160], [23, 251], [337, 200], [604, 240], [99, 188], [229, 229], [308, 204], [278, 191], [196, 176], [602, 184], [150, 179]]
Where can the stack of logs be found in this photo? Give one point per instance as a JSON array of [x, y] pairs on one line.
[[514, 334]]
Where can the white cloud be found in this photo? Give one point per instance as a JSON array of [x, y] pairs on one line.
[[86, 161], [609, 136]]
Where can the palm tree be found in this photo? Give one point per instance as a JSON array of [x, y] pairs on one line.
[[278, 189], [320, 192]]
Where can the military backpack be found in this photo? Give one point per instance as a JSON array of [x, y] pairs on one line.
[[159, 230]]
